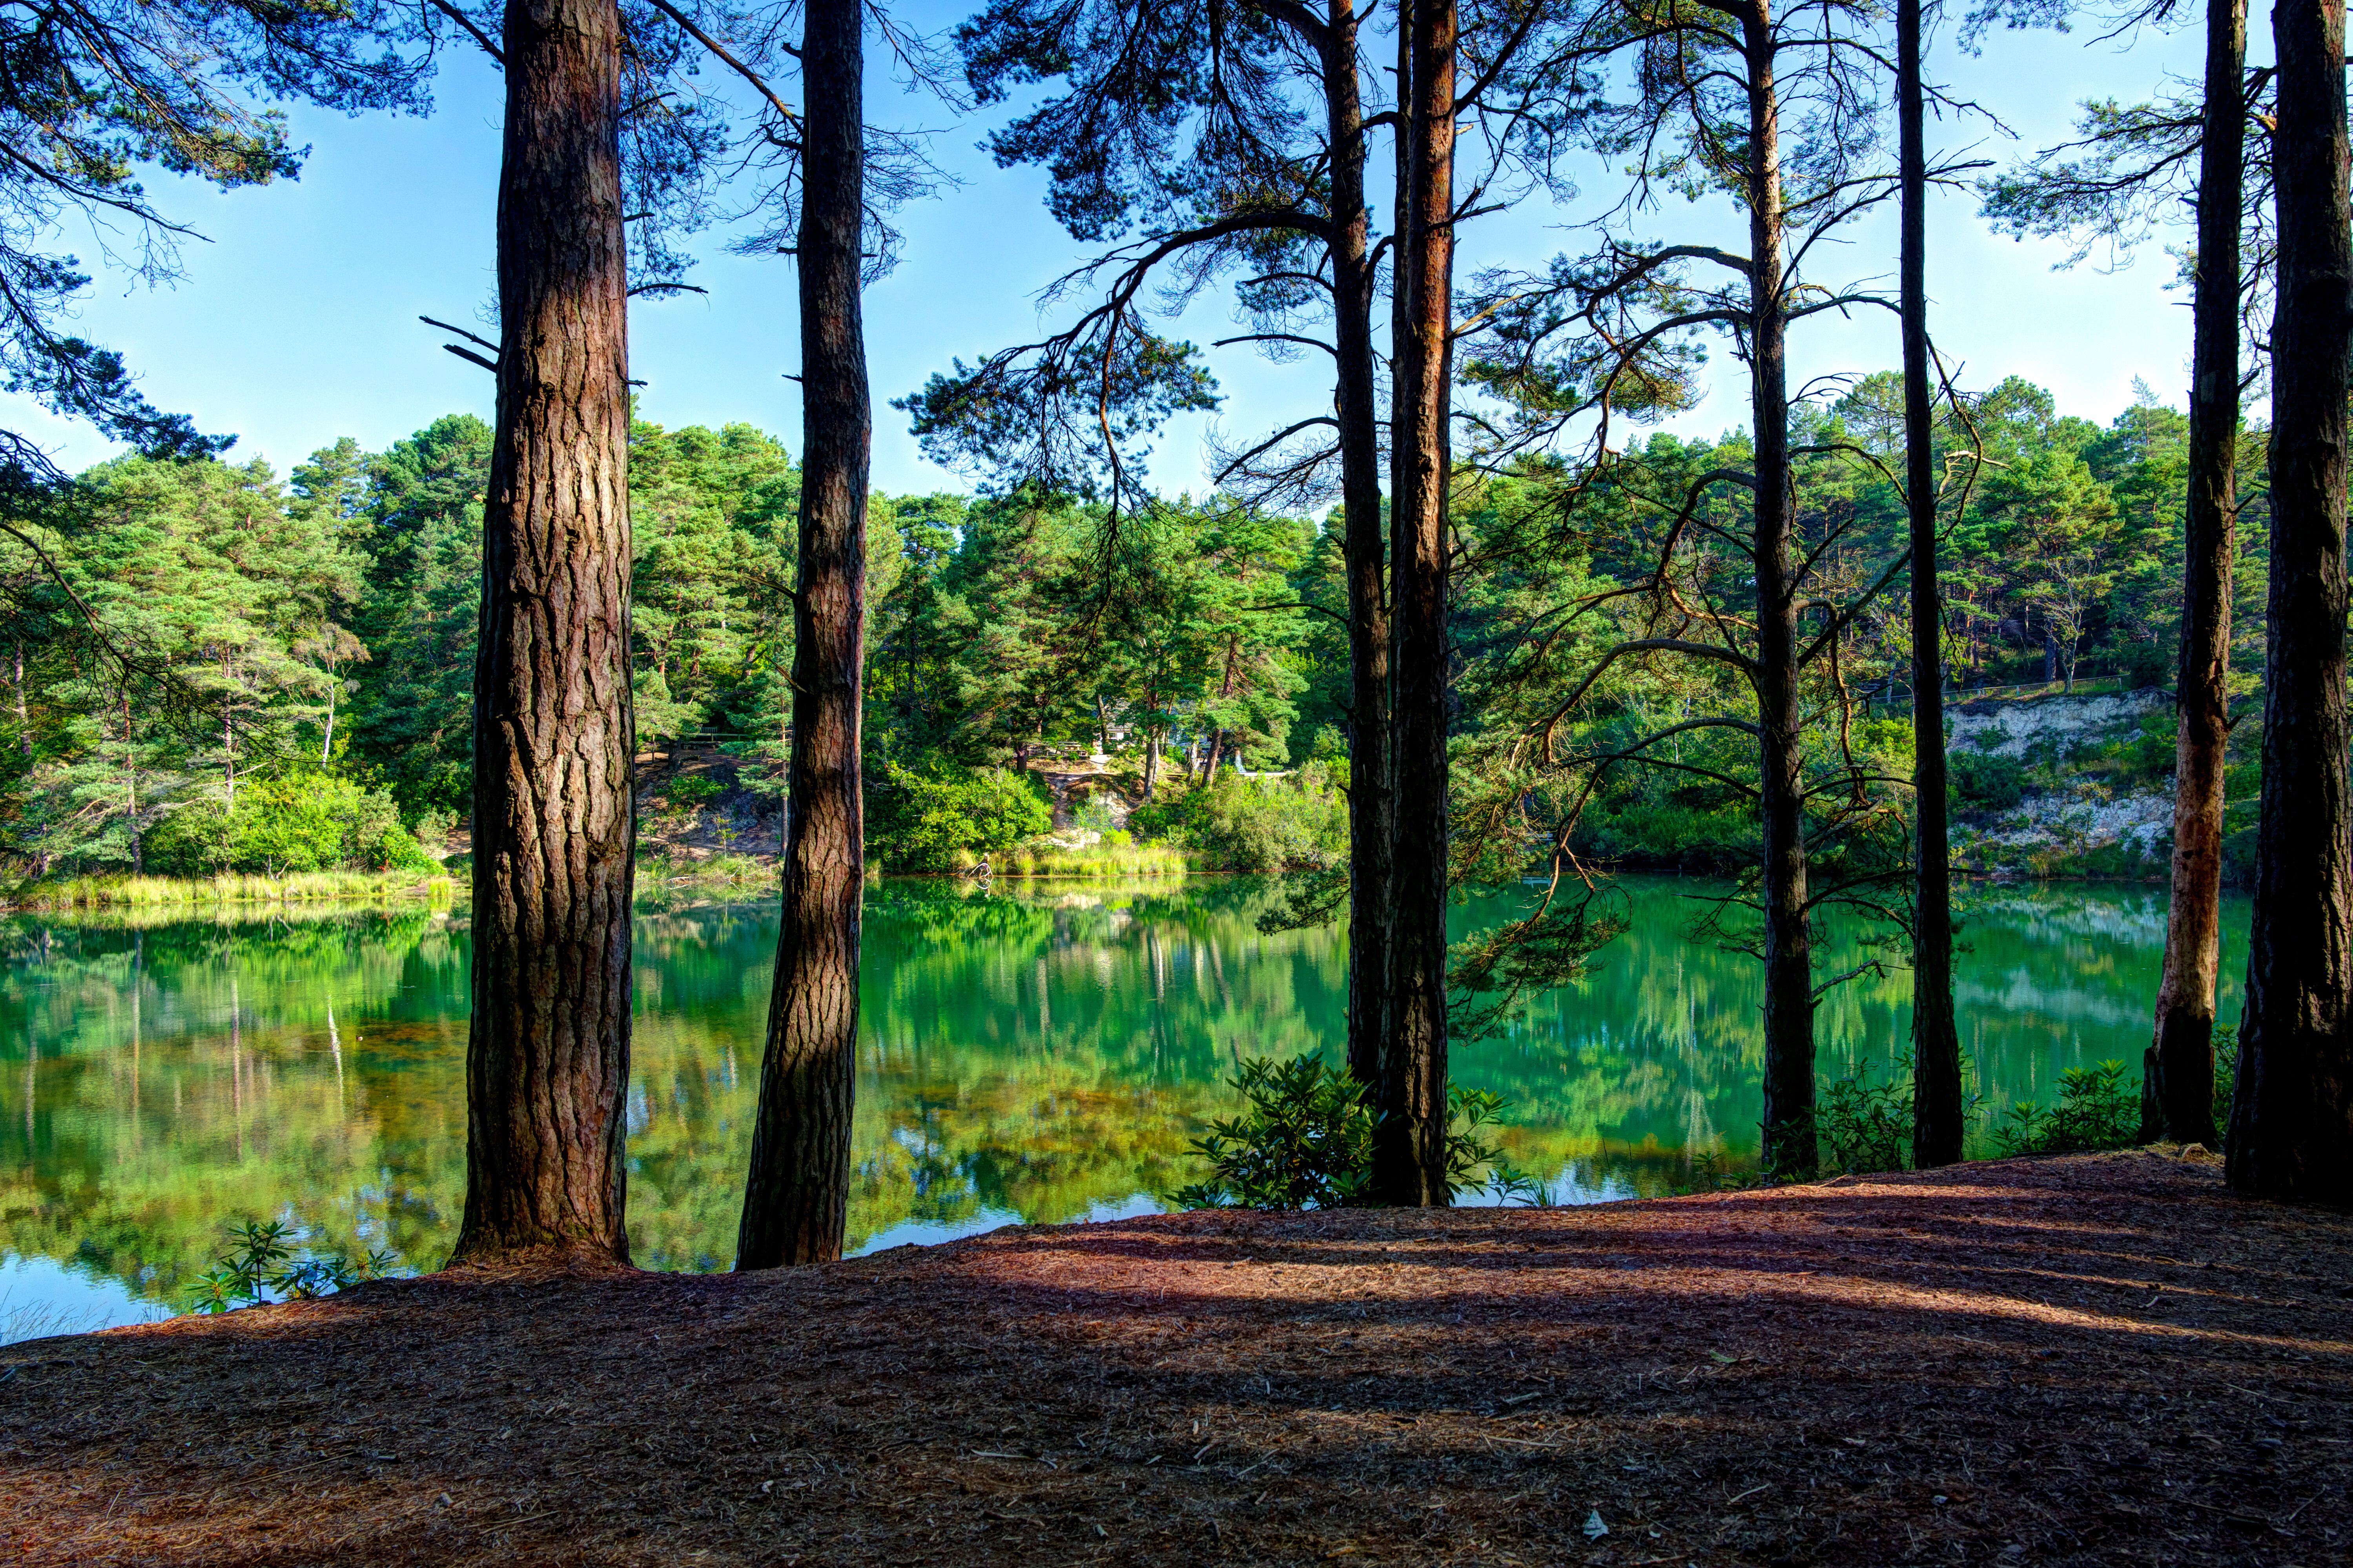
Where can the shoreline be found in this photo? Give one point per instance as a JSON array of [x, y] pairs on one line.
[[2074, 1360]]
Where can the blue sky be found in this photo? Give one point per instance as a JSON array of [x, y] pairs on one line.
[[296, 320]]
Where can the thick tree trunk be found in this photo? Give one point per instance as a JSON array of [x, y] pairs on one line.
[[1788, 1125], [795, 1203], [2292, 1122], [1409, 1137], [1936, 1042], [2178, 1079], [547, 1058], [1364, 546]]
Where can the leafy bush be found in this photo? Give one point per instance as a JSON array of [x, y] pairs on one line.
[[1865, 1123], [432, 833], [1306, 1142], [287, 826], [943, 817], [693, 791], [2096, 1109], [2226, 1074], [263, 1258], [1253, 824], [1981, 781]]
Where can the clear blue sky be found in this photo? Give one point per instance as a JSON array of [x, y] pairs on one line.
[[296, 322]]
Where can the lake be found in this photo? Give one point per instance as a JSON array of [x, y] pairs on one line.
[[1041, 1053]]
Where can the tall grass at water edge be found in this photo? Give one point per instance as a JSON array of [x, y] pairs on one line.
[[102, 892]]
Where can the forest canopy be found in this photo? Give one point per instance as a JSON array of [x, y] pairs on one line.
[[239, 672]]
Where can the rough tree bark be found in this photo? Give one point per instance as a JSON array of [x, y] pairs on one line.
[[1789, 1126], [1363, 547], [795, 1201], [1409, 1137], [1935, 1040], [547, 1056], [2292, 1120], [2178, 1077]]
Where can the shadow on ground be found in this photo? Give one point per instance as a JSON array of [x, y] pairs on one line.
[[2103, 1359]]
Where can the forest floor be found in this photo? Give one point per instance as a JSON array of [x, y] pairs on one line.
[[2100, 1358]]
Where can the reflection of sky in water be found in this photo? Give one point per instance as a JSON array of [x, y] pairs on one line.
[[1025, 1058], [40, 1297]]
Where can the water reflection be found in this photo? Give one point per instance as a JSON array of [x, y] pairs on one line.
[[1043, 1056]]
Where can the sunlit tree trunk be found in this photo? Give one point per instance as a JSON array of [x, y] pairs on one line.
[[1789, 944], [1936, 1043], [796, 1203], [1364, 545], [548, 1055], [2292, 1121], [2177, 1082], [1409, 1136]]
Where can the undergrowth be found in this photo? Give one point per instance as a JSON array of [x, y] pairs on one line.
[[1305, 1141], [2096, 1109], [266, 1262], [1115, 856], [98, 892]]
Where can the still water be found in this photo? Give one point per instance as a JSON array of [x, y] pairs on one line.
[[1042, 1054]]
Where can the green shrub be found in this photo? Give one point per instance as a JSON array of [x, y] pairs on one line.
[[937, 819], [693, 791], [2226, 1074], [265, 1257], [1981, 781], [292, 825], [1306, 1142], [1865, 1123], [1253, 824], [2148, 753], [2096, 1109]]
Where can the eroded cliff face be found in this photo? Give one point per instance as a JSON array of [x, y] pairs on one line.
[[2014, 728], [2064, 786]]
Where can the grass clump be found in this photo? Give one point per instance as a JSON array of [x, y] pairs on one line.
[[102, 892], [736, 870], [1116, 854]]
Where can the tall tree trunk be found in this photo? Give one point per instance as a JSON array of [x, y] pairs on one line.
[[2292, 1121], [1363, 548], [795, 1203], [23, 716], [547, 1055], [1789, 1126], [1409, 1137], [131, 769], [2178, 1077], [1936, 1042]]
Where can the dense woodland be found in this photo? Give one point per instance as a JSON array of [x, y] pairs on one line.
[[1485, 623], [276, 673]]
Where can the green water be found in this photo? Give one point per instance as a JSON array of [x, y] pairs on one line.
[[1042, 1055]]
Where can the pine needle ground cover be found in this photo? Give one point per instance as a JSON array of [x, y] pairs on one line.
[[2090, 1359]]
